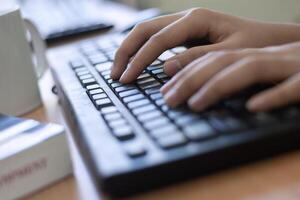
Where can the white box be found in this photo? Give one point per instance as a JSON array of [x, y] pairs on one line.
[[32, 156]]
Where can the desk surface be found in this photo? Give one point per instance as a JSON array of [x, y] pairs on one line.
[[276, 178]]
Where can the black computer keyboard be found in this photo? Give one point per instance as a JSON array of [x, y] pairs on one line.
[[56, 19], [145, 143]]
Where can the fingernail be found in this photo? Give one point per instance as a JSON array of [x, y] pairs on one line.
[[197, 102], [113, 72], [164, 89], [256, 104], [174, 63], [171, 98], [124, 76]]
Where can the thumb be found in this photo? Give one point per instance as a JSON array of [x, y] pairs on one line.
[[178, 62]]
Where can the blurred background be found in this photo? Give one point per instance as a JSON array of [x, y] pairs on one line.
[[271, 10], [58, 19]]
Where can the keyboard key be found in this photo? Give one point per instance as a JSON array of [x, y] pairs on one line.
[[156, 123], [111, 55], [109, 81], [102, 102], [81, 69], [135, 149], [158, 71], [133, 98], [118, 123], [174, 113], [160, 102], [235, 124], [113, 116], [124, 88], [172, 140], [162, 75], [96, 91], [224, 121], [116, 84], [156, 96], [99, 96], [236, 105], [144, 75], [107, 77], [145, 80], [185, 120], [109, 109], [106, 44], [218, 124], [94, 86], [88, 47], [150, 85], [76, 63], [84, 72], [166, 55], [165, 108], [86, 76], [156, 62], [97, 59], [179, 49], [262, 119], [163, 131], [106, 72], [139, 103], [104, 66], [118, 40], [89, 81], [150, 68], [153, 90], [143, 109], [129, 93], [149, 115], [123, 133], [199, 131]]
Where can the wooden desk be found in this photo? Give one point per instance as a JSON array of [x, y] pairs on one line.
[[276, 178]]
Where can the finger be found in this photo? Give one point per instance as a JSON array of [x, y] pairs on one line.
[[177, 77], [174, 34], [187, 84], [246, 72], [211, 56], [136, 38], [178, 62], [281, 95]]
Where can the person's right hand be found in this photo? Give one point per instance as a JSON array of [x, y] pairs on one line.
[[151, 38]]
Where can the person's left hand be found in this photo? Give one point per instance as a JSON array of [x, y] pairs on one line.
[[208, 79]]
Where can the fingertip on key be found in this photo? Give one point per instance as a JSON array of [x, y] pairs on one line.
[[171, 67], [256, 105], [164, 89], [171, 98], [113, 73], [125, 77]]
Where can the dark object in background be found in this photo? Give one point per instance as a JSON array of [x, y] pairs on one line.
[[56, 19]]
